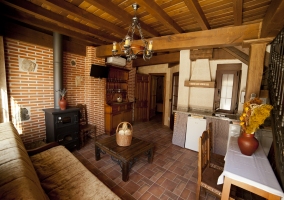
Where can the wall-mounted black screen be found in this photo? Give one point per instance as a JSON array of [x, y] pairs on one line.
[[99, 71]]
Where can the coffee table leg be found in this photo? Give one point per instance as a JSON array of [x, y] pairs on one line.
[[97, 153], [125, 171], [150, 155]]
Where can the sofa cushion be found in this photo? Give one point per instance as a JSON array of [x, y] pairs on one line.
[[18, 179], [63, 176]]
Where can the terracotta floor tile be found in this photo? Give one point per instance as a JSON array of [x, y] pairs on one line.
[[148, 173], [161, 180], [118, 190], [185, 194], [113, 174], [156, 190], [145, 196], [169, 185], [131, 187], [171, 176], [143, 188]]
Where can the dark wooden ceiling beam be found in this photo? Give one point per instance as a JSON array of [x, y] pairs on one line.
[[84, 15], [38, 11], [238, 12], [214, 38], [198, 14], [273, 21], [120, 14], [159, 59], [156, 11], [31, 20], [17, 32]]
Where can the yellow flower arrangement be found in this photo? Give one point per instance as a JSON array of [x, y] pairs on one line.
[[253, 115]]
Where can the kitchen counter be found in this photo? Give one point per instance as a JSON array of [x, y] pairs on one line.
[[202, 113]]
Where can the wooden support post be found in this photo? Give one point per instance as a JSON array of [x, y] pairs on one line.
[[255, 69]]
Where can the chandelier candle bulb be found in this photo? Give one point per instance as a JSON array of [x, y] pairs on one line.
[[127, 41], [114, 46], [150, 46]]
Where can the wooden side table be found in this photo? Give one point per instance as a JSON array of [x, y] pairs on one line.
[[124, 156]]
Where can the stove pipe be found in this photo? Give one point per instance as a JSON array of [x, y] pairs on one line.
[[57, 67]]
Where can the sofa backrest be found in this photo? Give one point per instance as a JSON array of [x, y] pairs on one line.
[[18, 179]]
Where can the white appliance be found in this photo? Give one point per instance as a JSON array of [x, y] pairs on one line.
[[195, 128], [119, 61]]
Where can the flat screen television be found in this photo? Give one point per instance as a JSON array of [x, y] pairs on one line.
[[99, 71]]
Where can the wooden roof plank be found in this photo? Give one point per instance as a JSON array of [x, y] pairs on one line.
[[273, 20], [155, 10], [36, 10], [29, 19], [122, 15], [198, 14], [84, 15], [238, 12]]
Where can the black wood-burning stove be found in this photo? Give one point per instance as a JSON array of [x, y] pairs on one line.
[[62, 126]]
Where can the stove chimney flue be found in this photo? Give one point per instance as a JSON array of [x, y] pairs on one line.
[[57, 67]]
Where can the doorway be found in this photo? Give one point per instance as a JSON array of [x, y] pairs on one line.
[[149, 97], [157, 95]]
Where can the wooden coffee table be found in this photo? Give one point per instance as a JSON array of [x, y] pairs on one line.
[[124, 156]]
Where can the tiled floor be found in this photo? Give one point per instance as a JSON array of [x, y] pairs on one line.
[[172, 175]]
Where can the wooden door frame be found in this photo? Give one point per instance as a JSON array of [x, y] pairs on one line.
[[164, 91], [171, 100]]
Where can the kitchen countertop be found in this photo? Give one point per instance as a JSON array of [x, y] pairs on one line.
[[202, 113]]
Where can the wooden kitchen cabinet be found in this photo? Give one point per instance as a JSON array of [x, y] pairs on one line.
[[116, 112]]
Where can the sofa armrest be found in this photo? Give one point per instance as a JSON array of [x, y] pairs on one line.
[[37, 150]]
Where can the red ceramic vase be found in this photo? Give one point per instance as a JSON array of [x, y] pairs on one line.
[[62, 103], [248, 144]]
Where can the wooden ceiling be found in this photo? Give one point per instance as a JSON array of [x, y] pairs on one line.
[[100, 22]]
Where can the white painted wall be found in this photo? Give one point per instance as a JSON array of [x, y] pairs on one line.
[[202, 98], [190, 97]]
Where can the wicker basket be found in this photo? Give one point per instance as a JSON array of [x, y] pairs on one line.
[[124, 134]]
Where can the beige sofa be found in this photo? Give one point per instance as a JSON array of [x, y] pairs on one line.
[[52, 174]]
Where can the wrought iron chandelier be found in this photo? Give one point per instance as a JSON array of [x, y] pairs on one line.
[[131, 50]]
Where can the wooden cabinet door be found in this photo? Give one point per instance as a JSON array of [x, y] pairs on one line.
[[116, 119], [127, 116], [141, 110]]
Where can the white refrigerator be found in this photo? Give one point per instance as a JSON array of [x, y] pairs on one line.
[[195, 128]]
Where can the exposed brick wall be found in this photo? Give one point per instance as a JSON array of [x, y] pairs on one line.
[[95, 92], [131, 82], [34, 90]]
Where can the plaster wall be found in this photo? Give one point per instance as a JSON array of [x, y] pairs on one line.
[[202, 98]]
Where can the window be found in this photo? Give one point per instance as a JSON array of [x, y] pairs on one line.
[[227, 88]]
